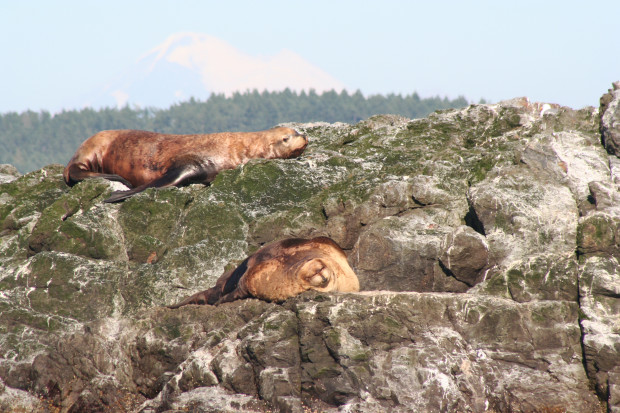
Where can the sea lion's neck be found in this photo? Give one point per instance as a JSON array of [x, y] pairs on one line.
[[244, 147]]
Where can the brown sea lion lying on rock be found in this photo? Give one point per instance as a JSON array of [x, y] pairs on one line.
[[281, 270], [141, 159]]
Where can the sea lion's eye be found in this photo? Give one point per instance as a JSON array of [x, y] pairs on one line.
[[286, 138]]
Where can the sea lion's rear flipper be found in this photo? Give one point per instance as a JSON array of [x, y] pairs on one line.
[[226, 289], [184, 171], [212, 296], [209, 296], [238, 294]]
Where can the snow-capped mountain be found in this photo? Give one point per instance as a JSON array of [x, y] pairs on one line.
[[195, 65]]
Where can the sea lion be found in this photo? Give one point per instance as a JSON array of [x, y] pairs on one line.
[[281, 270], [141, 159]]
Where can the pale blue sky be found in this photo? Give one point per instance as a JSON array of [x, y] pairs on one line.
[[565, 52]]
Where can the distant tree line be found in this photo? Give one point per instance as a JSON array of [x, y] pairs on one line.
[[31, 140]]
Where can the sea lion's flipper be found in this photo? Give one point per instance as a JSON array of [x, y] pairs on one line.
[[238, 294], [75, 175], [167, 179], [209, 296], [115, 178], [213, 294], [181, 173], [121, 195]]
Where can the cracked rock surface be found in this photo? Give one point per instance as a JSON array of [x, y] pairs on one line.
[[486, 241]]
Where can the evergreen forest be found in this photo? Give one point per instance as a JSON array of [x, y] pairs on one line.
[[31, 140]]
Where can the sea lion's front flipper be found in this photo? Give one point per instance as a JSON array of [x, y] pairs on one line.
[[115, 178], [121, 195], [182, 172]]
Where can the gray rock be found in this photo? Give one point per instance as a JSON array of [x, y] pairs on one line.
[[486, 241], [8, 173], [358, 352], [465, 253], [610, 119]]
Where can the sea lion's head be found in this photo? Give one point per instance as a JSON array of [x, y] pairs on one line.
[[287, 143]]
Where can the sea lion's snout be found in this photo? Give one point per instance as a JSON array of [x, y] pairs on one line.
[[303, 136], [316, 273], [300, 143]]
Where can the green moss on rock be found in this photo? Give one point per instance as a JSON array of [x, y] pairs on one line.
[[149, 220], [25, 197], [597, 234], [539, 278], [78, 223], [208, 217], [72, 287]]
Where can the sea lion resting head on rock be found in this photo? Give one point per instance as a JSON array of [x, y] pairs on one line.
[[281, 270], [141, 159]]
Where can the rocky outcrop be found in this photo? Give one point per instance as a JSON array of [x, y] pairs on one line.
[[610, 115], [375, 351], [486, 241], [8, 173]]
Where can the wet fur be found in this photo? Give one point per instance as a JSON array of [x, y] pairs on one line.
[[141, 159], [282, 270]]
